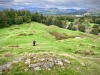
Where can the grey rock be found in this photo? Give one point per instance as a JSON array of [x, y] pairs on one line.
[[83, 64], [67, 61], [8, 64], [32, 66], [35, 57], [77, 37], [42, 65], [50, 59], [26, 69], [34, 60], [37, 68], [47, 65], [55, 61], [27, 61], [59, 63], [18, 59], [5, 66], [42, 59]]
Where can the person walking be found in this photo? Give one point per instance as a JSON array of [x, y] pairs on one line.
[[34, 43]]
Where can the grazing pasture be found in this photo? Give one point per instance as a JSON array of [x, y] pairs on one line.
[[69, 52]]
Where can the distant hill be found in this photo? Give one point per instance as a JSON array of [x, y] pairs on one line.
[[57, 11], [51, 11]]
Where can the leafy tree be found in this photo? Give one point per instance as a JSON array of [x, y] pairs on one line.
[[34, 16], [48, 21], [63, 23], [97, 21], [70, 18], [3, 19], [81, 27], [59, 23], [18, 20]]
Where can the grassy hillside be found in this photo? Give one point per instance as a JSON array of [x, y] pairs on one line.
[[77, 47]]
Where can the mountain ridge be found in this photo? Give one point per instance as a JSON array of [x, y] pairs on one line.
[[57, 11]]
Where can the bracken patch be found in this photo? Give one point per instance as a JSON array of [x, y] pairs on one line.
[[58, 36]]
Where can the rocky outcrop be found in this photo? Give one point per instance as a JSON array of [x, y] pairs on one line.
[[16, 60], [5, 67], [8, 65], [46, 65], [35, 62]]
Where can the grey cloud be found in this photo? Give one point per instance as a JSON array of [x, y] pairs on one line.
[[52, 3], [6, 1]]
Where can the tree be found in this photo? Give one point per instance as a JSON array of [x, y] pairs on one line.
[[63, 23], [70, 18], [18, 20], [48, 21], [34, 16], [81, 27], [59, 23], [3, 19], [97, 21]]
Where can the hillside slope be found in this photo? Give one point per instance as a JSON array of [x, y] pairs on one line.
[[80, 49]]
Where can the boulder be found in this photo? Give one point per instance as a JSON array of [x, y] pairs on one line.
[[37, 68], [60, 63], [5, 67], [32, 66], [67, 61], [27, 61], [83, 64], [16, 60]]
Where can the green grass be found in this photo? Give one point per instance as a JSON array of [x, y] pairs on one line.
[[64, 49], [91, 25]]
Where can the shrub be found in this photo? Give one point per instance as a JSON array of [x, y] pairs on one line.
[[16, 45], [81, 28], [9, 54], [17, 28], [22, 34], [94, 31], [99, 30], [85, 52], [96, 26], [58, 36], [30, 34], [74, 28]]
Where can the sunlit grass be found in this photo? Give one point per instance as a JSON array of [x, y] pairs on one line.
[[14, 44], [91, 25]]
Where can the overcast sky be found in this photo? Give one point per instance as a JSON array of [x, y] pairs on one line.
[[77, 4]]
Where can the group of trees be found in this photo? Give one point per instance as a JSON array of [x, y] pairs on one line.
[[83, 24], [96, 29], [59, 21], [11, 17]]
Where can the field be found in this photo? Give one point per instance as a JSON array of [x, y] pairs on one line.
[[80, 49]]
